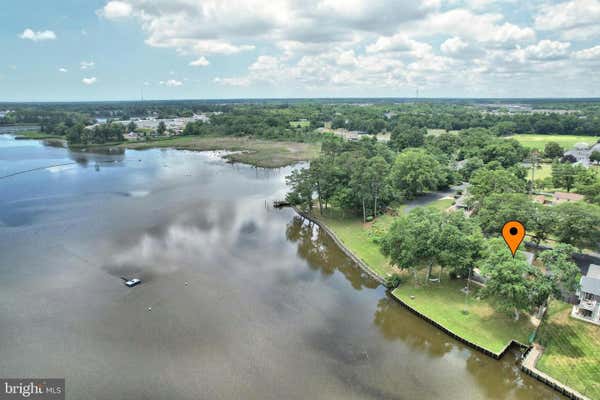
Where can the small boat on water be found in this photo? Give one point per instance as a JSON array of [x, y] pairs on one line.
[[131, 282]]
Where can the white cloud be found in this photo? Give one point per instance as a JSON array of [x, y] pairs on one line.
[[481, 47], [488, 28], [171, 83], [86, 64], [200, 62], [547, 50], [89, 81], [454, 45], [399, 43], [62, 69], [116, 10], [592, 53], [37, 36], [571, 19], [231, 26], [233, 81]]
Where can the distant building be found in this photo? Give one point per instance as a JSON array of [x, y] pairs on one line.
[[589, 296], [540, 199], [582, 152], [562, 197]]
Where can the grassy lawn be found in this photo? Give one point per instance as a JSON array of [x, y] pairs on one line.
[[358, 237], [36, 135], [566, 141], [257, 152], [542, 172], [299, 124], [572, 350], [444, 303], [355, 236], [437, 132], [441, 204]]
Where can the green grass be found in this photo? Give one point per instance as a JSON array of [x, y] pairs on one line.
[[572, 350], [441, 204], [483, 325], [299, 124], [257, 152], [356, 237], [36, 135], [542, 171], [437, 132], [566, 141]]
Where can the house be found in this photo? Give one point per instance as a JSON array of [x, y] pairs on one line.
[[581, 152], [589, 296], [541, 199], [562, 197]]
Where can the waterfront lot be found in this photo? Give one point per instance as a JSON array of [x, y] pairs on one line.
[[572, 350], [359, 237], [566, 141], [445, 303]]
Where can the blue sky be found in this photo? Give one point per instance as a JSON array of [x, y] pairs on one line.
[[67, 50]]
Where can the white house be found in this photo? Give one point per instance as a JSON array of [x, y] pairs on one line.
[[589, 296]]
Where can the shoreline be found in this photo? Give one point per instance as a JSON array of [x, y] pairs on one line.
[[260, 153], [365, 267], [361, 264], [525, 364]]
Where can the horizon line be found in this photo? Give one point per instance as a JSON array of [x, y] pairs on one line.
[[231, 99]]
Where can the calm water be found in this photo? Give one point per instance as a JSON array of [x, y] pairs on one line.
[[246, 302]]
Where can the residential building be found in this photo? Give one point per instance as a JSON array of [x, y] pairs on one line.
[[562, 197], [589, 296]]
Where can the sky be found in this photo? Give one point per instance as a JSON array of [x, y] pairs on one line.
[[87, 50]]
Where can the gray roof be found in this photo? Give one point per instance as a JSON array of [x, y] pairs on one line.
[[591, 282], [593, 271]]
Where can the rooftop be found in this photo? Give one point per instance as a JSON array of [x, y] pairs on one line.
[[591, 282], [568, 196]]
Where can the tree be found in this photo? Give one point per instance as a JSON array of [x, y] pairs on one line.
[[564, 174], [497, 208], [360, 184], [591, 192], [486, 181], [505, 128], [461, 245], [323, 175], [427, 236], [162, 127], [470, 166], [595, 156], [553, 150], [131, 127], [301, 188], [405, 136], [413, 241], [377, 171], [414, 172], [507, 152], [541, 222], [577, 224], [508, 279], [559, 263]]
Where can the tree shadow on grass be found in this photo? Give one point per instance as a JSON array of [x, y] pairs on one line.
[[561, 338]]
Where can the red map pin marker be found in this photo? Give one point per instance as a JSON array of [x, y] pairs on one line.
[[513, 233]]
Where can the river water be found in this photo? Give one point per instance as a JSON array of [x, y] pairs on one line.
[[238, 300]]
